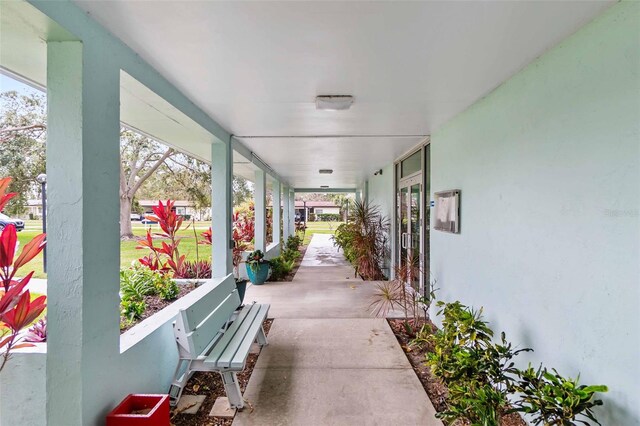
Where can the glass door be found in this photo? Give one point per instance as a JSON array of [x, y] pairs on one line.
[[413, 219], [410, 231]]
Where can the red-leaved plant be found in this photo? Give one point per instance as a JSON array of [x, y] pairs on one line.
[[17, 310], [165, 257], [242, 234]]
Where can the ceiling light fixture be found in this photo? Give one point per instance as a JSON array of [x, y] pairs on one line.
[[325, 171], [334, 102]]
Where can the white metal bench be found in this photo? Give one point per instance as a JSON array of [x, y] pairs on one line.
[[213, 336]]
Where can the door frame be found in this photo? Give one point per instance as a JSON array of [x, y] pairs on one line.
[[424, 176], [407, 184]]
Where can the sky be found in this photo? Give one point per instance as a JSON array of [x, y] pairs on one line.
[[7, 84]]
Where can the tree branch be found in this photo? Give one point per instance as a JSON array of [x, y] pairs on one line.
[[23, 128], [5, 134], [149, 172]]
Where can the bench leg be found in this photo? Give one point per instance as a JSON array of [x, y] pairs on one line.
[[262, 338], [232, 388], [179, 381]]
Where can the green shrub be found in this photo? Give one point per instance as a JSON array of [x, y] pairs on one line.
[[479, 373], [280, 268], [293, 242], [555, 400], [328, 217], [137, 282], [344, 238], [423, 338], [132, 309], [291, 255], [165, 287], [480, 403]]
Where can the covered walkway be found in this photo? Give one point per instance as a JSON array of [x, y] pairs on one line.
[[506, 156], [328, 361]]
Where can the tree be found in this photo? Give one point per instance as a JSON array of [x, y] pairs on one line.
[[140, 157], [181, 177], [242, 192], [23, 133], [148, 168], [345, 202]]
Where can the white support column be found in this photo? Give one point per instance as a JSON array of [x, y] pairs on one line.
[[366, 191], [83, 173], [221, 209], [286, 213], [259, 202], [292, 212], [358, 195], [277, 223]]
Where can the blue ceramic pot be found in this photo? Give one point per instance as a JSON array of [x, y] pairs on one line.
[[242, 287], [258, 275]]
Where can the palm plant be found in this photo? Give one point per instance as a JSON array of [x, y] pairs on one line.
[[365, 240], [387, 297]]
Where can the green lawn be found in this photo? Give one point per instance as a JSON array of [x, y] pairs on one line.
[[129, 254], [128, 251], [319, 228]]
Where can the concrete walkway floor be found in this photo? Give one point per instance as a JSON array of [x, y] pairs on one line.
[[328, 361]]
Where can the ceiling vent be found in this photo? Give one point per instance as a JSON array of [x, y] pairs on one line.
[[334, 102], [325, 171]]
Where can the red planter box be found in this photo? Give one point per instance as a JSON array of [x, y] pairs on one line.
[[141, 410]]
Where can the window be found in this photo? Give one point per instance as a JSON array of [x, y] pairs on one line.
[[411, 164]]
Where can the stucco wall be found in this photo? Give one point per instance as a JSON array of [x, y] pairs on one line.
[[381, 190], [146, 364], [22, 388], [548, 165], [381, 194]]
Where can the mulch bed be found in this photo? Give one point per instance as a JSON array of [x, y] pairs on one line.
[[296, 266], [156, 303], [211, 385], [436, 390]]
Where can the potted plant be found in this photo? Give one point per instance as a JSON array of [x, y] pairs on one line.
[[257, 267]]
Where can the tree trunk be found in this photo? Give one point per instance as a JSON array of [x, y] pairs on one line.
[[126, 231], [128, 188]]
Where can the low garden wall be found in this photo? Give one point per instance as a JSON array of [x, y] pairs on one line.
[[148, 358]]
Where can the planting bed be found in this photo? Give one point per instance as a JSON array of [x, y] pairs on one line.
[[296, 265], [210, 384], [436, 390], [155, 304]]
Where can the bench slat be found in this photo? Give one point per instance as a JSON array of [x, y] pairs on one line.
[[238, 328], [200, 310], [209, 328], [226, 348], [240, 356], [230, 332]]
